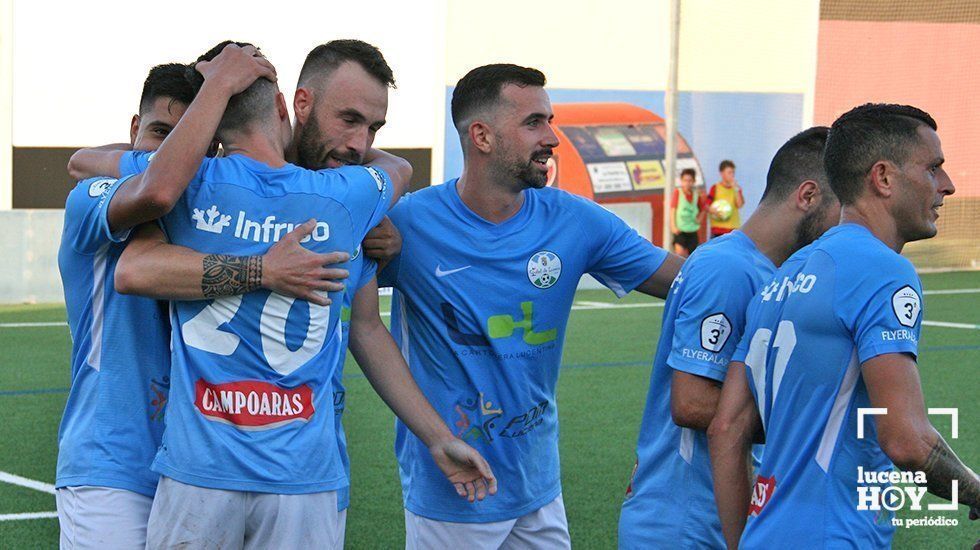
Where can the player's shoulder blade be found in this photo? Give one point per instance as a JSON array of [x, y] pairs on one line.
[[722, 253], [857, 252]]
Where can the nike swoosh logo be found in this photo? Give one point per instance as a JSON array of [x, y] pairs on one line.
[[441, 273]]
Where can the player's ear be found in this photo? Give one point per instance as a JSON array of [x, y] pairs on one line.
[[882, 176], [807, 195], [303, 104], [281, 109], [481, 136], [134, 129]]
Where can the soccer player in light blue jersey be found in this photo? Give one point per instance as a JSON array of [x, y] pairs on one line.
[[483, 288], [340, 104], [670, 502], [113, 420], [835, 331]]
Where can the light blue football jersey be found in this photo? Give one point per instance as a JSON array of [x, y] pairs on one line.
[[479, 311], [832, 306], [252, 403], [362, 270], [670, 501], [120, 358]]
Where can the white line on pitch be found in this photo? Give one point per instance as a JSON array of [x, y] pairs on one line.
[[30, 325], [29, 483], [586, 306], [950, 325], [29, 515]]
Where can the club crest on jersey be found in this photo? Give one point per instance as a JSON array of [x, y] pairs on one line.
[[906, 305], [715, 330], [252, 404], [544, 269], [379, 180], [100, 186]]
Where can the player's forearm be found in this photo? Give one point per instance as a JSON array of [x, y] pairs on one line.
[[942, 467], [383, 365], [170, 272], [729, 446], [729, 442], [97, 161], [659, 283]]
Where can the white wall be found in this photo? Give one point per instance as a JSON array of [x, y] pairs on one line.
[[726, 45], [79, 66], [29, 248], [6, 103]]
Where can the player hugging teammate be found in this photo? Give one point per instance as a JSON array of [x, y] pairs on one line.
[[181, 271], [251, 455]]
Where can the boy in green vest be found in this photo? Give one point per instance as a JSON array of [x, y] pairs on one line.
[[688, 209]]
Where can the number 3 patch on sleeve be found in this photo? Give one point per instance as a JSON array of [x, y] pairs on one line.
[[906, 305], [715, 330]]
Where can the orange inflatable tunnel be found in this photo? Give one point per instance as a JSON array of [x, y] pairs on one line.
[[614, 153]]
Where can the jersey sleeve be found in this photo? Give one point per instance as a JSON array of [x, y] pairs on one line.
[[751, 326], [710, 317], [619, 257], [673, 198], [86, 215], [367, 194], [134, 162], [368, 272], [388, 277], [882, 308]]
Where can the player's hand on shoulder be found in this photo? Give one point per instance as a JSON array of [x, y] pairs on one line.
[[292, 270], [384, 242], [236, 68], [399, 170], [465, 468]]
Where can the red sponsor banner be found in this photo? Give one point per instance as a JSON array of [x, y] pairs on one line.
[[761, 493], [253, 405]]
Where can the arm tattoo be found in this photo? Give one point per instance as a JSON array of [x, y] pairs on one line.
[[941, 467], [226, 275]]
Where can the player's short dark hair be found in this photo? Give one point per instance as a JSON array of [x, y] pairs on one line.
[[325, 58], [480, 88], [865, 135], [166, 81], [798, 160], [689, 172], [255, 103], [726, 164]]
